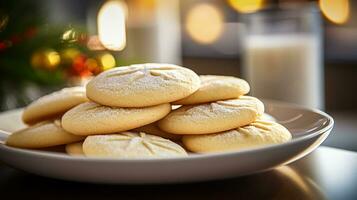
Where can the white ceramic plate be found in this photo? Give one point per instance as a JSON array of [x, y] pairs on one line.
[[309, 128]]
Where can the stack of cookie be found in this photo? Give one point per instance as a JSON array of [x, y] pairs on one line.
[[149, 110]]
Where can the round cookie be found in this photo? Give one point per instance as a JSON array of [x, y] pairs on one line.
[[142, 85], [43, 134], [91, 118], [258, 133], [212, 117], [75, 149], [54, 104], [215, 88], [153, 129], [131, 145]]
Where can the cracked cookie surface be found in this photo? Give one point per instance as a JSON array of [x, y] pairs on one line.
[[153, 129], [212, 117], [91, 118], [131, 145], [258, 133], [142, 85]]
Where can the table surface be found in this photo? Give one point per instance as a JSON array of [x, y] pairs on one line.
[[327, 173], [344, 132]]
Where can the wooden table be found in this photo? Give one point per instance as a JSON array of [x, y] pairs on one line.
[[327, 173]]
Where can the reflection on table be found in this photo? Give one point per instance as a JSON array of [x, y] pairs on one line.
[[327, 173]]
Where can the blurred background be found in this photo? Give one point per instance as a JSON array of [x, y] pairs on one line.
[[298, 51]]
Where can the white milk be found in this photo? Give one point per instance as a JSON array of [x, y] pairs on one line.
[[285, 67]]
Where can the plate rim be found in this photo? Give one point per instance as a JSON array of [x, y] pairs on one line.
[[62, 156]]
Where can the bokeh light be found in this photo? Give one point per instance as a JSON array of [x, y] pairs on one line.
[[94, 43], [4, 19], [337, 11], [111, 25], [69, 35], [92, 64], [204, 23], [107, 61], [45, 59], [53, 59], [246, 6], [69, 54]]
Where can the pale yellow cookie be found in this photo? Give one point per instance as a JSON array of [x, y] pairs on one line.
[[142, 85], [258, 133], [212, 117], [131, 145], [75, 149], [153, 129], [91, 118], [215, 88], [53, 105], [43, 134]]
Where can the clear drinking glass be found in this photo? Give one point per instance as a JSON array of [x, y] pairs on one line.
[[283, 56]]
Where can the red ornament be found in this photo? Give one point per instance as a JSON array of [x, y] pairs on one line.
[[80, 67], [15, 39], [29, 33], [79, 63], [85, 73], [2, 46]]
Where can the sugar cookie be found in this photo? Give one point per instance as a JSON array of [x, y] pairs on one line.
[[43, 134], [131, 145], [75, 149], [215, 88], [212, 117], [91, 118], [142, 85], [53, 105], [153, 129], [258, 133]]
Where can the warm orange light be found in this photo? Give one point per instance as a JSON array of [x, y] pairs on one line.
[[91, 64], [94, 43], [204, 23], [246, 6], [111, 25], [337, 11], [294, 178]]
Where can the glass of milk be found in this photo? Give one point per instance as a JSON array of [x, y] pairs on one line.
[[283, 56]]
